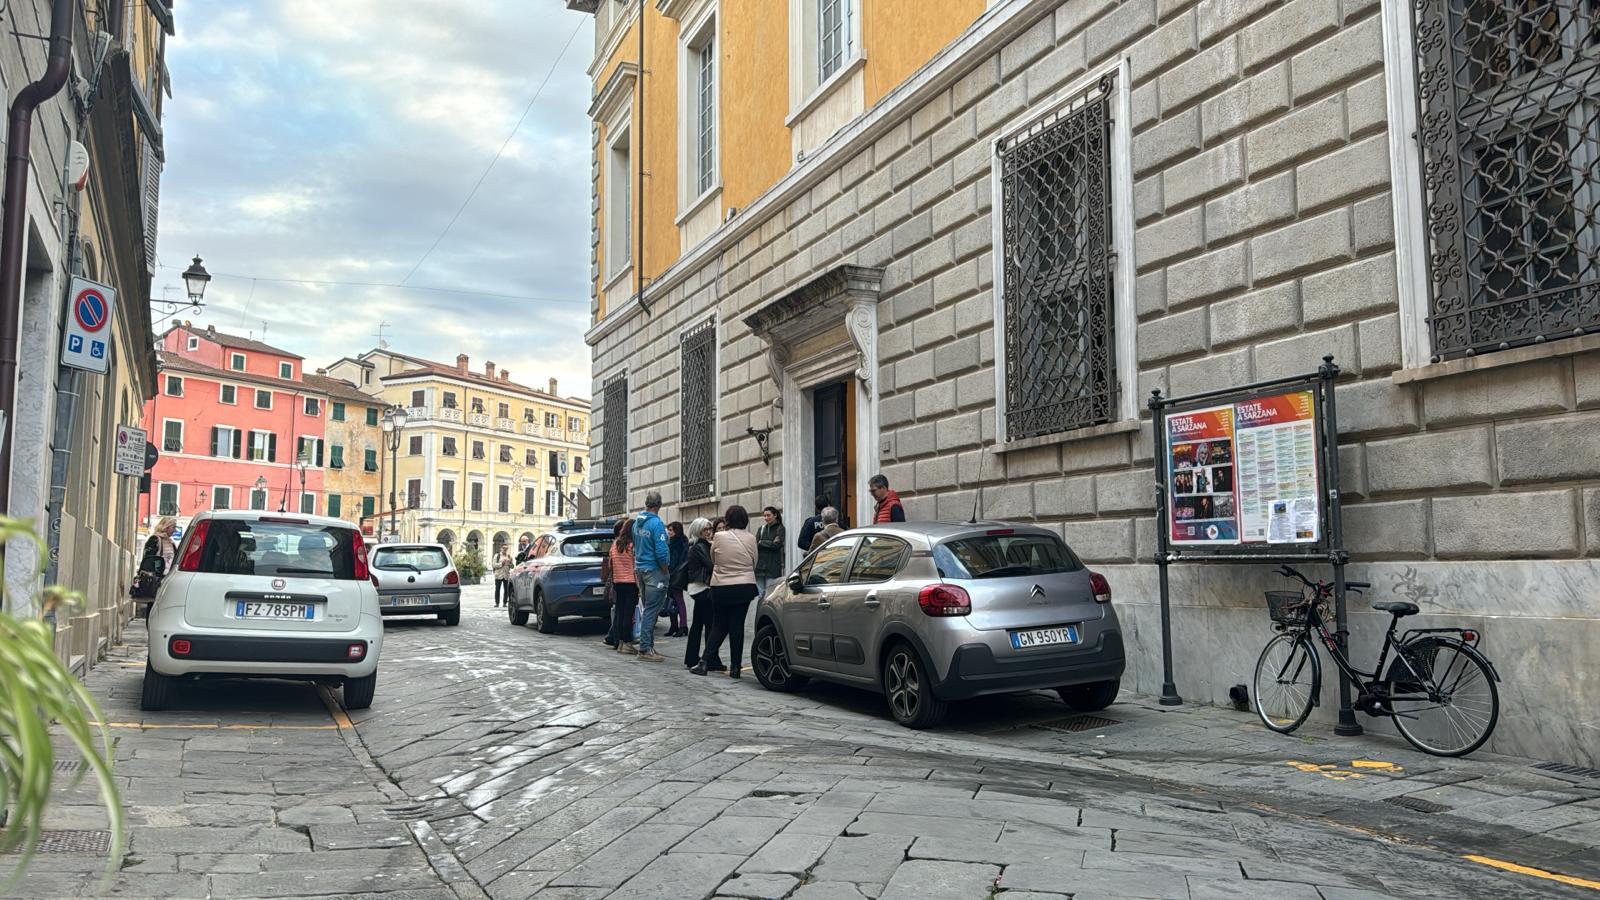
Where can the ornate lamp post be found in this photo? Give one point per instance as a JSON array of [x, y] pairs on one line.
[[394, 419], [195, 279]]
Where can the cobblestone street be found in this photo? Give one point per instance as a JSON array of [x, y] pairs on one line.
[[500, 762]]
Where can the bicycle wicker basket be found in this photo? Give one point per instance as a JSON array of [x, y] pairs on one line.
[[1288, 607]]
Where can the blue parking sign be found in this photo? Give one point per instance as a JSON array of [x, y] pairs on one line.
[[74, 343]]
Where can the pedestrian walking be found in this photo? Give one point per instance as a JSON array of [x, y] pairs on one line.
[[813, 522], [617, 572], [502, 575], [889, 508], [678, 550], [733, 586], [769, 549], [696, 578], [830, 527], [652, 560], [154, 564]]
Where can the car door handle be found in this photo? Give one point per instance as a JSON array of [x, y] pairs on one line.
[[823, 604], [872, 600]]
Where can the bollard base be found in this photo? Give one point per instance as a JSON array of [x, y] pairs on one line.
[[1169, 695], [1348, 729]]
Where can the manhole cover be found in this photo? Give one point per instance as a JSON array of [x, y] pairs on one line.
[[68, 765], [1564, 769], [1417, 804], [74, 841], [1077, 723]]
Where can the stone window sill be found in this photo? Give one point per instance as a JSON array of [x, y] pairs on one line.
[[1498, 359], [1125, 426], [815, 98]]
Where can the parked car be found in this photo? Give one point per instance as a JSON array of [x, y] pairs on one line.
[[263, 595], [417, 580], [560, 577], [928, 613]]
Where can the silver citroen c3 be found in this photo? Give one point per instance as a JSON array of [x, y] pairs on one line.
[[927, 613]]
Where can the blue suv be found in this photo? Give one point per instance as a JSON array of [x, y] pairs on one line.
[[560, 577]]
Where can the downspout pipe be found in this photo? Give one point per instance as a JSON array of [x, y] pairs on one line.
[[19, 131]]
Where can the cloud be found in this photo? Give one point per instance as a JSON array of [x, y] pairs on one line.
[[314, 142]]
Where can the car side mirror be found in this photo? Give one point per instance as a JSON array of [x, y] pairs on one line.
[[796, 583]]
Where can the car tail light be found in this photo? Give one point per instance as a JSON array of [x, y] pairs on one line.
[[1000, 532], [181, 647], [191, 550], [944, 600], [451, 577], [374, 579], [283, 521], [358, 549], [356, 650], [1101, 587]]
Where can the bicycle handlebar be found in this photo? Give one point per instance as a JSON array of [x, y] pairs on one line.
[[1320, 587]]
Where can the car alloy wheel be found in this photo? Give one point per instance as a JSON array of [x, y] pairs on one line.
[[770, 660], [910, 696]]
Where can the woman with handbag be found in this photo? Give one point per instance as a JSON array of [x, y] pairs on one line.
[[696, 578], [733, 586], [159, 552], [616, 571]]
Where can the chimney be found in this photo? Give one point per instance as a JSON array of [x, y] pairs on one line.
[[505, 374], [461, 363], [211, 332], [552, 387], [488, 370]]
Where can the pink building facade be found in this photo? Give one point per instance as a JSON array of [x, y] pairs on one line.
[[232, 417]]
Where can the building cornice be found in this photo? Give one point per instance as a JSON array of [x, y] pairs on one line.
[[1002, 22], [613, 40], [573, 404], [617, 90]]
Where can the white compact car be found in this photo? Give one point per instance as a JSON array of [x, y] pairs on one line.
[[266, 595]]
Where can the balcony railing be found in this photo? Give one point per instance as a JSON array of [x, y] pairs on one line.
[[478, 420], [504, 424], [532, 430], [419, 413], [450, 414]]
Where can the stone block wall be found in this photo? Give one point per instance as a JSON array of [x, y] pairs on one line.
[[1263, 240]]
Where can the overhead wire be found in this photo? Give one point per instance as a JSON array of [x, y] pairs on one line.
[[389, 284]]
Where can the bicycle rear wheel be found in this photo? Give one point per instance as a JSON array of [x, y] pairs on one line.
[[1444, 697], [1288, 679]]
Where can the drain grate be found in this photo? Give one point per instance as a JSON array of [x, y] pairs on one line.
[[69, 765], [1417, 804], [1564, 769], [1076, 724], [74, 841]]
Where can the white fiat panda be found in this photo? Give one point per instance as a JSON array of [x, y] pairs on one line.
[[266, 595]]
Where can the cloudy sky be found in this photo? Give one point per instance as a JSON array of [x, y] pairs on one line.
[[333, 142]]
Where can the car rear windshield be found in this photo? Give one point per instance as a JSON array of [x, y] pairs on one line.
[[1004, 556], [589, 545], [268, 547], [417, 559]]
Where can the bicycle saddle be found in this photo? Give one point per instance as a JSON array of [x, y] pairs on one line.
[[1400, 608]]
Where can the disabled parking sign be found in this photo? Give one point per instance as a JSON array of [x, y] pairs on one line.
[[89, 309]]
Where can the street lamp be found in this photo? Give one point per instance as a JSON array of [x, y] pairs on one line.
[[301, 463], [394, 419], [195, 279], [261, 487]]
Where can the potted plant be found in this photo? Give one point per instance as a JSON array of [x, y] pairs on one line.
[[469, 565], [41, 690]]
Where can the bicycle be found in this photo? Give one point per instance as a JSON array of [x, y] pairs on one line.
[[1439, 689]]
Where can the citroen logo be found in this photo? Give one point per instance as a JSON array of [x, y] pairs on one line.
[[1036, 596]]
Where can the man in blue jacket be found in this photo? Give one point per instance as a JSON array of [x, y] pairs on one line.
[[651, 559]]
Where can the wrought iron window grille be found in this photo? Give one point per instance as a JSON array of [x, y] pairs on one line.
[[1508, 99], [1059, 268], [614, 481], [698, 412]]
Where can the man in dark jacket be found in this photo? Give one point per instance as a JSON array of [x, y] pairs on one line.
[[808, 528]]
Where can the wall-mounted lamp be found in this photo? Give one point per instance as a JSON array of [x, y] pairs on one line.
[[761, 435]]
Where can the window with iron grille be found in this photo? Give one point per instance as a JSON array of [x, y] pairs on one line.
[[698, 413], [1059, 298], [1509, 95], [614, 480]]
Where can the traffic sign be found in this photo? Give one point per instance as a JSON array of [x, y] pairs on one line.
[[130, 455], [90, 310]]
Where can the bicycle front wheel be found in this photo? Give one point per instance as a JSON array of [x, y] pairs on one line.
[[1288, 679], [1443, 695]]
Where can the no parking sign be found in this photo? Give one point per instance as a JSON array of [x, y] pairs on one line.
[[88, 339]]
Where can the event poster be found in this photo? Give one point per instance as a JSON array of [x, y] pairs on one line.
[[1277, 446], [1200, 453], [1244, 473]]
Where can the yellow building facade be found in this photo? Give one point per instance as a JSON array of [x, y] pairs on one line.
[[482, 459], [733, 97], [353, 434]]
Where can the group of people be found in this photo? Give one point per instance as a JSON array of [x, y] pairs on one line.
[[704, 578]]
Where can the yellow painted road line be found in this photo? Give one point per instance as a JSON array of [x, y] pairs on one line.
[[154, 725], [341, 721], [1536, 873]]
